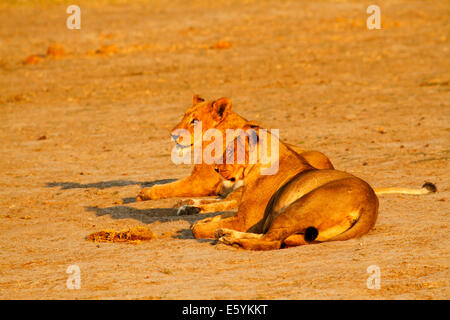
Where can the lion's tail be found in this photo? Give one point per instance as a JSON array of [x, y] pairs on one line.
[[367, 216], [428, 187]]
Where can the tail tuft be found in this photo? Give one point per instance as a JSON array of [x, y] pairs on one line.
[[311, 234], [430, 187]]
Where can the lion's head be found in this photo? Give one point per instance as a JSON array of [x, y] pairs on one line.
[[208, 114], [239, 155]]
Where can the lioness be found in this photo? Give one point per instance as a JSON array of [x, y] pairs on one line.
[[204, 181], [298, 205]]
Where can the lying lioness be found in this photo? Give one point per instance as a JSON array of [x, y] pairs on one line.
[[298, 205], [204, 181]]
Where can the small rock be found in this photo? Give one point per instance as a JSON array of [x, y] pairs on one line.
[[56, 50], [222, 45], [33, 59], [381, 130], [107, 50]]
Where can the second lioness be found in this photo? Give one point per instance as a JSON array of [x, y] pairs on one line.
[[298, 205]]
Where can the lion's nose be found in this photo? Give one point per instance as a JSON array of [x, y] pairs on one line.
[[175, 137], [216, 170]]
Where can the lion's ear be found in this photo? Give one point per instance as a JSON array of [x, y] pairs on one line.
[[221, 107], [196, 99]]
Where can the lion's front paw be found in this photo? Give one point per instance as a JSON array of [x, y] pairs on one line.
[[187, 210], [184, 202], [145, 194], [231, 241], [140, 197], [202, 222], [148, 194], [227, 236], [219, 233]]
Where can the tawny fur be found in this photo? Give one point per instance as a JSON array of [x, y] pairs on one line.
[[203, 180], [280, 209]]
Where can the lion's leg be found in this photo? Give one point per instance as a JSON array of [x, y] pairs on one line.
[[195, 202], [317, 159], [295, 240], [205, 228], [236, 194], [231, 237], [192, 206], [217, 206], [203, 181], [252, 244], [236, 234], [246, 240], [338, 210]]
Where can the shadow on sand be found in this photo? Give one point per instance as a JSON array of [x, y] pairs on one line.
[[153, 215], [147, 216], [106, 184]]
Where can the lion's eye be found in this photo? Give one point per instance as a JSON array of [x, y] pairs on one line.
[[194, 121]]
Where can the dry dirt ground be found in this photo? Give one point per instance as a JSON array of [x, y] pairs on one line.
[[81, 134]]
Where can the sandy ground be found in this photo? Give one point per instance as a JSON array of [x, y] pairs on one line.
[[81, 134]]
